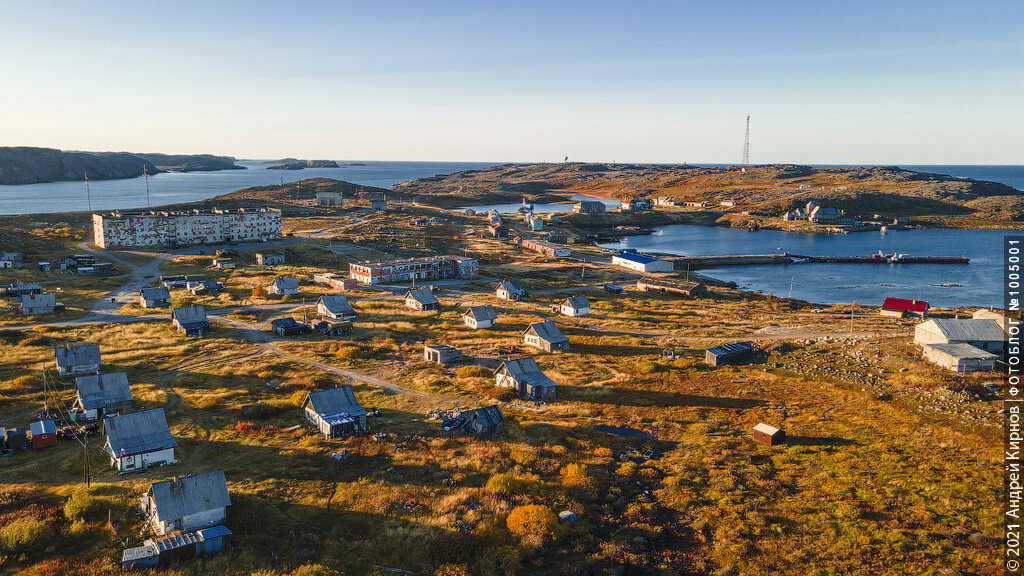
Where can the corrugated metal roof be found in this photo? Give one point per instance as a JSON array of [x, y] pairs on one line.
[[547, 331], [527, 371], [99, 390], [36, 300], [77, 354], [422, 295], [511, 286], [190, 315], [138, 432], [42, 427], [155, 293], [968, 329], [337, 304], [638, 258], [335, 401], [578, 302], [215, 532], [287, 283], [904, 305], [485, 312], [961, 350], [731, 348], [187, 495]]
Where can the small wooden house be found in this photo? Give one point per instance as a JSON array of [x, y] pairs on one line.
[[421, 299], [158, 297], [478, 317], [546, 336], [190, 320], [768, 434], [139, 440], [75, 359], [525, 377], [441, 353], [511, 290], [498, 231], [16, 438], [270, 258], [335, 306], [335, 412], [187, 503], [100, 395], [577, 305], [44, 434], [287, 286], [41, 303], [224, 263]]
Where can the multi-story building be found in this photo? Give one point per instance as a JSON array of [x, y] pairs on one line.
[[547, 248], [428, 268], [182, 228]]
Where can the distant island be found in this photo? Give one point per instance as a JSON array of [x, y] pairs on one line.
[[296, 164], [30, 165]]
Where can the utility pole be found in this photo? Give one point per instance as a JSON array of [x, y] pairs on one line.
[[85, 452], [852, 309], [88, 195]]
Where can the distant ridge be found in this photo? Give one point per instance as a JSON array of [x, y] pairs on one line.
[[30, 165]]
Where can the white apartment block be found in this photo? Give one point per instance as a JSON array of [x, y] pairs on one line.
[[163, 228]]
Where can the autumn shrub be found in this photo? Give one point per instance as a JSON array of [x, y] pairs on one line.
[[473, 372], [26, 382], [25, 535], [524, 457], [501, 394], [81, 504], [349, 353], [298, 397], [452, 570], [627, 469], [508, 485], [262, 411], [532, 520], [574, 476]]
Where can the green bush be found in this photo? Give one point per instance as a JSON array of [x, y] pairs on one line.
[[26, 534], [262, 411], [81, 504], [472, 372]]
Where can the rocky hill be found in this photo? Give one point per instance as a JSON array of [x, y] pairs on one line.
[[293, 164], [28, 165], [761, 191]]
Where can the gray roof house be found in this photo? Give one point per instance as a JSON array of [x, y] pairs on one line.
[[187, 503], [511, 290], [480, 316], [102, 395], [139, 440], [335, 412], [190, 320], [75, 359], [480, 421], [982, 333], [525, 377], [421, 299], [546, 336], [286, 286], [577, 305], [41, 303], [158, 297], [335, 306]]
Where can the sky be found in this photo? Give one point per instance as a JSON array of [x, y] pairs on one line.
[[827, 82]]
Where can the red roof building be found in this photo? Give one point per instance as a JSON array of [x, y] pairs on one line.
[[903, 308]]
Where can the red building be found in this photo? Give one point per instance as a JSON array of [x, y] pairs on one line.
[[903, 308], [44, 434]]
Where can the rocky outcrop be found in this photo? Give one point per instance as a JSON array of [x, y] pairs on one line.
[[293, 164]]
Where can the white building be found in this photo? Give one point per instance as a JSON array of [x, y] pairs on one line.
[[139, 440], [329, 199], [182, 228], [641, 263], [478, 317], [961, 358], [287, 286], [577, 305], [984, 334]]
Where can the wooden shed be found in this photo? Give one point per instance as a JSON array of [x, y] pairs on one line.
[[768, 434]]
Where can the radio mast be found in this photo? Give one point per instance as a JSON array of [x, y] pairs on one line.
[[88, 195], [746, 144], [146, 174]]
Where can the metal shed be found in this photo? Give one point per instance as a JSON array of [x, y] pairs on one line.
[[732, 353]]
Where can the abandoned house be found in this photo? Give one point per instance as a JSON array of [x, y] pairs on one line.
[[525, 377], [101, 395], [76, 359], [159, 297], [42, 303], [190, 320], [480, 421], [441, 353], [287, 286], [731, 353], [139, 440], [546, 336], [511, 290], [335, 412], [477, 317], [959, 357], [421, 299], [335, 306], [187, 503], [269, 258]]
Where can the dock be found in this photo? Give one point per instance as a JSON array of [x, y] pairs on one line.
[[697, 262]]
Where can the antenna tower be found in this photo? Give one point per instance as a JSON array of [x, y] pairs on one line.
[[746, 144], [145, 173], [88, 195]]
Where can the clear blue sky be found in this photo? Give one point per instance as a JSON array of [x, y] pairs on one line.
[[824, 82]]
